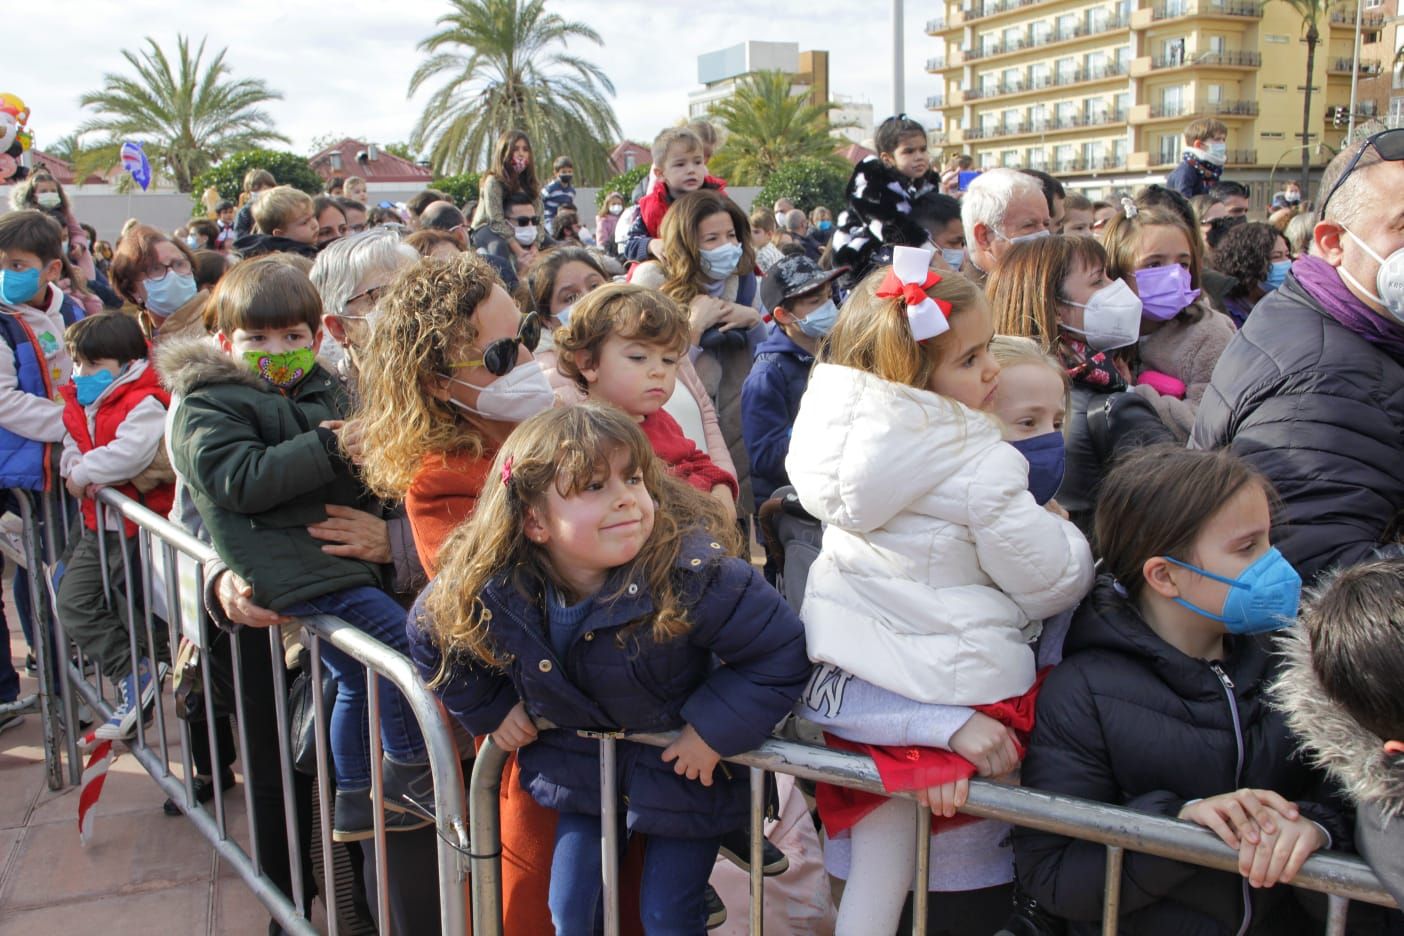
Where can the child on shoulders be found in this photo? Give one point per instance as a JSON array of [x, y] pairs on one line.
[[679, 167]]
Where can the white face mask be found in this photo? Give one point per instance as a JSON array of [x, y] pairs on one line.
[[616, 209], [48, 199], [520, 394], [1111, 317], [1025, 238], [1389, 281], [526, 236], [1216, 152]]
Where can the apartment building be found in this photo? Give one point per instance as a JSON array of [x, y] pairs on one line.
[[1098, 91]]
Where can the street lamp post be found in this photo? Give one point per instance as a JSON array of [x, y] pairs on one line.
[[898, 81], [1355, 66]]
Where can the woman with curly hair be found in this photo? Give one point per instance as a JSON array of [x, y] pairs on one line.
[[1258, 256]]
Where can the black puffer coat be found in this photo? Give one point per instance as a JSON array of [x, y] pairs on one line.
[[1129, 720], [1101, 428], [1320, 411]]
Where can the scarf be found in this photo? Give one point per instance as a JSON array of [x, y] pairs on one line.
[[1323, 284], [1093, 369], [1208, 171]]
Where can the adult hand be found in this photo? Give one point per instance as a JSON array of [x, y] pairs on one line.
[[703, 312], [77, 490], [353, 533], [987, 744], [1242, 816], [739, 316], [516, 730], [694, 757], [1278, 856], [947, 799], [236, 598]]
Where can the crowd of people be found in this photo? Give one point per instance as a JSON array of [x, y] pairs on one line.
[[1102, 498]]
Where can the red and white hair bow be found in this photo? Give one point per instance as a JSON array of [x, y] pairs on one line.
[[909, 279]]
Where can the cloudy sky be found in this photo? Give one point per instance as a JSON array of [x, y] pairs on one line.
[[344, 69]]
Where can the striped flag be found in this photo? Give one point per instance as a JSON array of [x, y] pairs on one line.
[[134, 161], [90, 788]]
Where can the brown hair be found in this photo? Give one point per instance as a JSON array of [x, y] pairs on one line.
[[277, 208], [682, 256], [1155, 501], [541, 276], [135, 253], [106, 335], [209, 267], [622, 309], [1027, 285], [674, 136], [513, 181], [256, 178], [1076, 201], [764, 220], [564, 448], [1204, 128], [32, 231], [875, 335], [266, 292], [424, 321], [1122, 234], [426, 239]]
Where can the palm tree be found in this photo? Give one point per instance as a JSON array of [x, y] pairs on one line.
[[1311, 12], [186, 118], [508, 68], [768, 124], [68, 148]]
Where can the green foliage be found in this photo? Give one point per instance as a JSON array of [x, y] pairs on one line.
[[402, 150], [624, 183], [509, 65], [188, 116], [228, 176], [462, 188], [808, 183], [768, 126]]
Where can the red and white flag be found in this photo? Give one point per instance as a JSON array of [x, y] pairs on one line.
[[90, 789]]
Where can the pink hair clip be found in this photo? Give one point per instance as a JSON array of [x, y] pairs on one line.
[[507, 471]]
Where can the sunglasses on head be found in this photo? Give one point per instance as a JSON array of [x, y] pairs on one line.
[[525, 221], [500, 356], [1388, 143]]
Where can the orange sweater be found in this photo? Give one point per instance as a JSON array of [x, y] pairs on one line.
[[442, 495]]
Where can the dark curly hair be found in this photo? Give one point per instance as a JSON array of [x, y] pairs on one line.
[[1244, 254]]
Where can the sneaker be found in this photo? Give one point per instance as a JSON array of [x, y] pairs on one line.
[[138, 693], [716, 910], [736, 848], [409, 788], [31, 665], [12, 720], [354, 821]]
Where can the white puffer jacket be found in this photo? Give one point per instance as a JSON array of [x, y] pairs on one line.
[[937, 563]]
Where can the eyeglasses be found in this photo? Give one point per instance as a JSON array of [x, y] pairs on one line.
[[180, 265], [1388, 143], [373, 294], [521, 221], [500, 356]]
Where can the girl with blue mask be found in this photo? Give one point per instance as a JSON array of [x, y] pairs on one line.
[[1032, 404], [1159, 703]]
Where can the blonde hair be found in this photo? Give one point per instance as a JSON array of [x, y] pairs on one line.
[[875, 335], [1123, 234], [1011, 351], [682, 137], [258, 178], [423, 322], [278, 207], [622, 309], [564, 448], [682, 253]]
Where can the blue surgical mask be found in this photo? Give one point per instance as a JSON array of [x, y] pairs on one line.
[[819, 322], [825, 225], [955, 256], [1264, 597], [92, 386], [720, 262], [563, 316], [1047, 457], [1277, 274], [18, 287], [170, 292]]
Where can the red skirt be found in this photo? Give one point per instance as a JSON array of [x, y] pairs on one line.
[[915, 768]]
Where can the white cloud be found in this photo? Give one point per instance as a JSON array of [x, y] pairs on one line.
[[346, 69]]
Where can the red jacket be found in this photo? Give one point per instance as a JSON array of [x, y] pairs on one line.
[[683, 457], [654, 205], [111, 412]]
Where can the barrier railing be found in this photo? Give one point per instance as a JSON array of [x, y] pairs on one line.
[[169, 569], [1342, 878]]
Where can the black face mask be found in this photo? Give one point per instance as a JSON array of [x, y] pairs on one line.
[[566, 178]]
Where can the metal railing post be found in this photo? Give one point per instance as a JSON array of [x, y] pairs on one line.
[[609, 838], [485, 838], [922, 877], [757, 874], [1111, 891]]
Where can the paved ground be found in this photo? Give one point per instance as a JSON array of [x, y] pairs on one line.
[[143, 872]]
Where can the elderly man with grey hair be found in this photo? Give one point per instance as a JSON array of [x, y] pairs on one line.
[[350, 274], [1001, 208], [1311, 391], [797, 226]]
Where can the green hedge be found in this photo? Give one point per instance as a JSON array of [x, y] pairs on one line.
[[624, 183], [808, 183], [462, 188], [228, 176]]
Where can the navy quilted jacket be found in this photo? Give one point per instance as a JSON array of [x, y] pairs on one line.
[[732, 677]]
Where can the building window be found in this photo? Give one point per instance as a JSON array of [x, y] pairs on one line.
[[1041, 31], [1096, 64], [987, 84], [987, 160], [1169, 148], [1012, 79], [1013, 38], [1040, 76], [1094, 153], [1216, 44], [1172, 51], [1213, 93], [1011, 121], [1035, 158], [1064, 154], [1095, 110], [1009, 159], [1038, 118], [1119, 152], [1172, 98], [989, 44], [1067, 70], [1097, 19], [1066, 114], [1123, 58], [1067, 26]]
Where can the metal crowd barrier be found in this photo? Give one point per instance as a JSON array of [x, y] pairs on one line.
[[1342, 878], [172, 569]]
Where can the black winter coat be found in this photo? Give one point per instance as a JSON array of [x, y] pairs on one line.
[[1127, 719], [1320, 411], [1101, 428], [613, 680]]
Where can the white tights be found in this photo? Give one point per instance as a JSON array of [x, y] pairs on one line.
[[881, 871]]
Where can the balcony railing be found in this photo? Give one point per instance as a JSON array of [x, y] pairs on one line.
[[1229, 58], [1217, 108], [1046, 124], [1087, 164], [935, 101], [934, 26], [936, 63], [1347, 65], [996, 7], [1242, 157], [1029, 40], [1177, 8], [1371, 19], [1058, 79]]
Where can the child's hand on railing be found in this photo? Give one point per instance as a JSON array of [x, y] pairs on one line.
[[1278, 856], [1239, 817], [516, 730], [945, 800], [987, 744], [75, 490], [236, 598], [694, 757]]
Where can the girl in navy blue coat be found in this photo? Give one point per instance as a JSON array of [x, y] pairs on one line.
[[591, 591]]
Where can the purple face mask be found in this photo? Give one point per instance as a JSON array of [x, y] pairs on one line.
[[1164, 291]]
